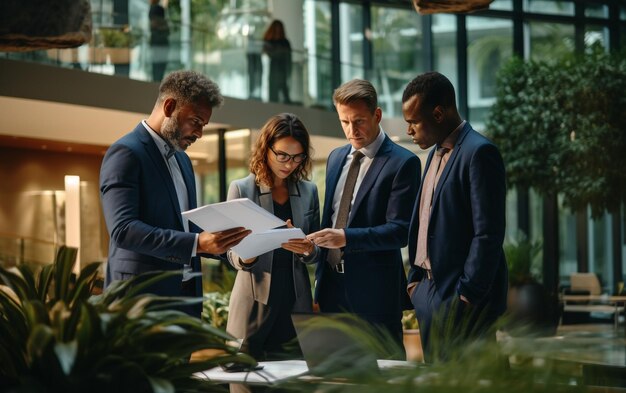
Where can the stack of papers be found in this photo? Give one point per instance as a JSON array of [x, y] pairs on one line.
[[243, 212]]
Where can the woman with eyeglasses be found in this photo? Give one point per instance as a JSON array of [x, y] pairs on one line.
[[273, 285]]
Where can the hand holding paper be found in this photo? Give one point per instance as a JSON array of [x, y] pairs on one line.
[[299, 246], [245, 227], [260, 243], [219, 242]]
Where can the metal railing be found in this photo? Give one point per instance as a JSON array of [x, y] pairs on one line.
[[16, 250]]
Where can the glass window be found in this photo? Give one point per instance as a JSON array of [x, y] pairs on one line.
[[501, 5], [596, 35], [226, 43], [351, 41], [318, 44], [490, 44], [622, 27], [600, 238], [596, 11], [238, 147], [397, 51], [444, 46], [512, 225], [204, 155], [559, 7], [568, 262], [546, 41]]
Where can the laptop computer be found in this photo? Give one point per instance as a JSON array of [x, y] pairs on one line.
[[336, 345]]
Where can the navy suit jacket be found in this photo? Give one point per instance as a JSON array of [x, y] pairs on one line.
[[467, 224], [377, 229], [142, 212]]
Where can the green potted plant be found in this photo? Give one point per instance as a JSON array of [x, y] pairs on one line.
[[54, 334], [411, 337], [215, 308], [114, 45]]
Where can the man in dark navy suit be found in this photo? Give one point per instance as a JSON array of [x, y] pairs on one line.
[[147, 180], [371, 184], [458, 278]]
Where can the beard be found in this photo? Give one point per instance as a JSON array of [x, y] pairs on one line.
[[170, 131]]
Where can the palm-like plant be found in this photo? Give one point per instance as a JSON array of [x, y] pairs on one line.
[[55, 335]]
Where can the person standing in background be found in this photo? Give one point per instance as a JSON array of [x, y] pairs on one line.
[[458, 278], [270, 287], [371, 184], [147, 180], [278, 48], [159, 40]]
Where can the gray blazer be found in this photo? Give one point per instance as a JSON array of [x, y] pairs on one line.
[[252, 283]]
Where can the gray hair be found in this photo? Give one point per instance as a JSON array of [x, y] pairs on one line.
[[190, 87]]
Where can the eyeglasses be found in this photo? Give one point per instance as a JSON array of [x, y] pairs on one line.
[[284, 157]]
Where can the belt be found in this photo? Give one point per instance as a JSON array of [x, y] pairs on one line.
[[339, 268]]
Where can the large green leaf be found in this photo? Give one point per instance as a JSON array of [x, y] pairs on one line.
[[36, 312], [13, 336], [65, 338], [43, 284], [16, 282], [84, 283], [64, 263]]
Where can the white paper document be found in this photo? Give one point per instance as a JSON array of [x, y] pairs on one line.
[[240, 212], [259, 243], [243, 212]]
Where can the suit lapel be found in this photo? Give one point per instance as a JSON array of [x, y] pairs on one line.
[[297, 210], [265, 198], [450, 163], [382, 155], [159, 162], [333, 171]]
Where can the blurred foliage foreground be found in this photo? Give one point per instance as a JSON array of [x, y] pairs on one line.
[[56, 336]]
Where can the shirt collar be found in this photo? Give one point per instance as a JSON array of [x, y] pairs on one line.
[[166, 150], [371, 149], [450, 140]]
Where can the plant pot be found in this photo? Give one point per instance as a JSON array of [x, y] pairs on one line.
[[111, 55], [532, 310], [69, 55], [413, 345], [96, 55]]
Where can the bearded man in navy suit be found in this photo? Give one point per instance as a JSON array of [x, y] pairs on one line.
[[147, 180], [360, 269], [458, 278]]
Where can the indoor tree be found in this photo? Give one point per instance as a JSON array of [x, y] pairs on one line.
[[561, 127]]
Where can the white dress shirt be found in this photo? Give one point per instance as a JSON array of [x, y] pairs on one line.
[[370, 152]]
